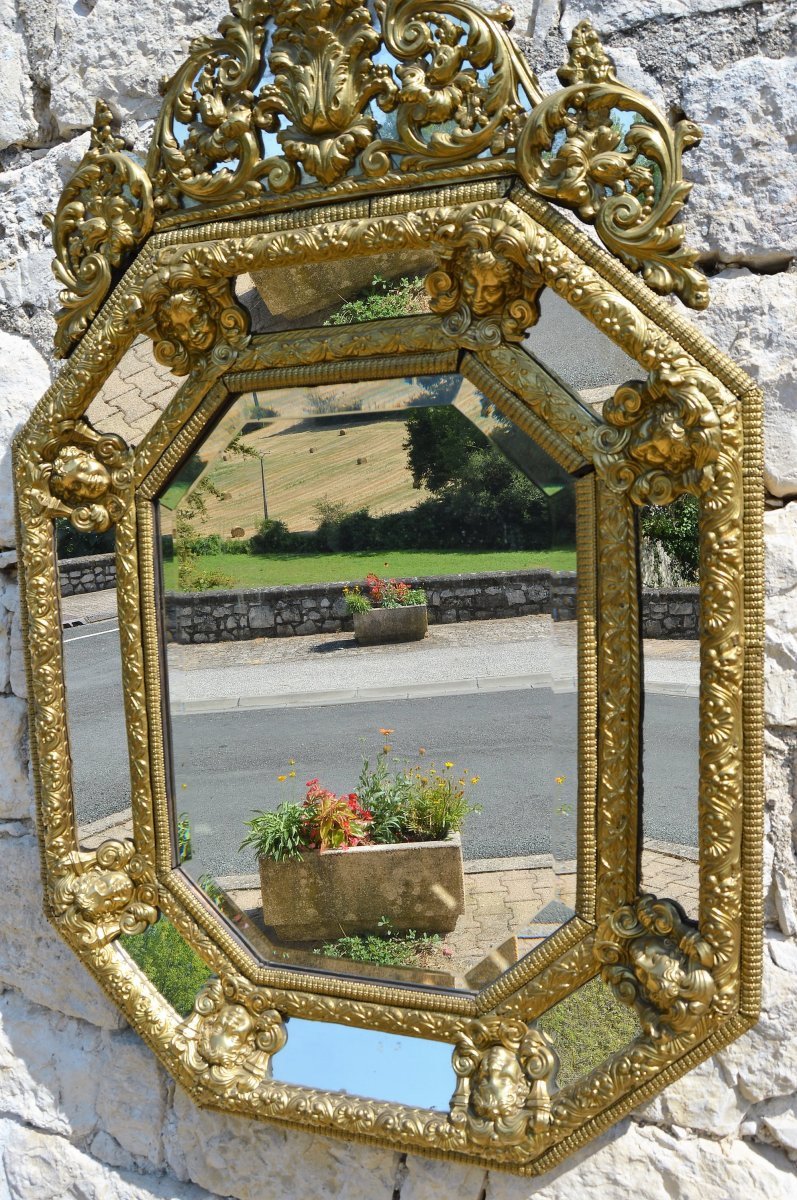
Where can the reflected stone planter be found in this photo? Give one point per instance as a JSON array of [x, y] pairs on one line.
[[416, 885], [408, 623]]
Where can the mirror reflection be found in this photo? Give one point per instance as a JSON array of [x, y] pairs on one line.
[[369, 617], [669, 560], [93, 684]]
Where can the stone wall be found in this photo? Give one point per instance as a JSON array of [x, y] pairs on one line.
[[237, 616], [94, 573], [86, 1110]]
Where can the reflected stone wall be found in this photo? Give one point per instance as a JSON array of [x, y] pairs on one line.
[[86, 1110]]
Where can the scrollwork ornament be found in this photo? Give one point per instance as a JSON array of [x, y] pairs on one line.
[[662, 437], [623, 177], [505, 1071], [101, 893], [229, 1039], [485, 288], [105, 210], [659, 964], [84, 476]]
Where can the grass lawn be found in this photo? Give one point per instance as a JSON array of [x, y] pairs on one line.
[[267, 570]]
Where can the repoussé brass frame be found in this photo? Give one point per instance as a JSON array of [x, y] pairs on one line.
[[694, 425]]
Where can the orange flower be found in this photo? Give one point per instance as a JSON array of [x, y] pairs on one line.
[[421, 749], [559, 779], [386, 732], [281, 778]]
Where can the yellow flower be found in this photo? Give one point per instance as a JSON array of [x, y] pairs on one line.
[[475, 778], [291, 774], [185, 785], [281, 778], [559, 779], [448, 764], [291, 762], [387, 748]]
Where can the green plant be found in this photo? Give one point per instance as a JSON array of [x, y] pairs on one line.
[[438, 806], [355, 601], [333, 822], [675, 527], [389, 949], [184, 845], [383, 298], [169, 963], [278, 835], [387, 799]]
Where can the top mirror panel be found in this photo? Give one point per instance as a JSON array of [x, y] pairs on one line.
[[369, 603]]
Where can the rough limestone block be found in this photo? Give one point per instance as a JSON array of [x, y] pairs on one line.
[[763, 1063], [752, 318], [26, 194], [15, 792], [236, 1157], [780, 695], [43, 1166], [612, 16], [428, 1179], [24, 376], [703, 1101], [649, 1162], [18, 124], [744, 170], [120, 53], [66, 1076], [32, 956]]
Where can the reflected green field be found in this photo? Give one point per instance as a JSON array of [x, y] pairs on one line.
[[274, 570]]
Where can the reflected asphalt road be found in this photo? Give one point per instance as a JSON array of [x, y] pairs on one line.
[[227, 764]]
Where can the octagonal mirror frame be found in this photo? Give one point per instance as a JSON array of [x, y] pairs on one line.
[[693, 425]]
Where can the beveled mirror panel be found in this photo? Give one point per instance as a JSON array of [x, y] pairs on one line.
[[587, 767]]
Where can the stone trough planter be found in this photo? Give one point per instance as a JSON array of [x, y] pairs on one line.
[[405, 624], [416, 885]]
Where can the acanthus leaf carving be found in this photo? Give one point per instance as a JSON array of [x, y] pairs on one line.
[[105, 210], [620, 173], [659, 964], [228, 1041], [98, 894]]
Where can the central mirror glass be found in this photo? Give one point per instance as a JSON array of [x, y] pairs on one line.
[[368, 609]]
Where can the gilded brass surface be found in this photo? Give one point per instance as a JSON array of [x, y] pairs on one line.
[[282, 104], [692, 423]]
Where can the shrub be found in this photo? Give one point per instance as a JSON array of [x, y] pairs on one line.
[[675, 527], [271, 537], [169, 963]]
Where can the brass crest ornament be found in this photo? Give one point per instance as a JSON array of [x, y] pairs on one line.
[[105, 210], [311, 136], [85, 476]]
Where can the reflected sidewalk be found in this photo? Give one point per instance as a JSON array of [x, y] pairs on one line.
[[455, 659]]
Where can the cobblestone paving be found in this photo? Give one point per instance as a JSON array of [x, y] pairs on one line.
[[134, 395]]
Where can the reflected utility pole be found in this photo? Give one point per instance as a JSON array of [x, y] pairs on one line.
[[263, 484]]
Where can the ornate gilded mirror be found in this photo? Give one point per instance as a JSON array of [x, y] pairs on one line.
[[397, 803]]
